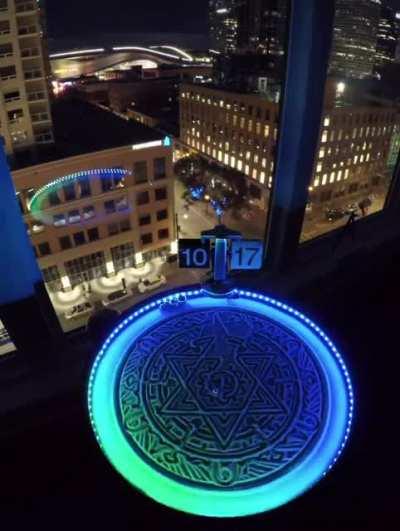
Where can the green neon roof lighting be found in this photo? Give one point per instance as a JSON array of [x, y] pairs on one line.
[[36, 203], [220, 406]]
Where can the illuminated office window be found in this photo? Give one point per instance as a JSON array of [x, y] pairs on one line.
[[324, 137]]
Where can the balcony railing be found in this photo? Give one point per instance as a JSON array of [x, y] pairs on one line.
[[10, 100], [28, 30], [40, 117], [36, 96], [5, 31], [6, 78], [30, 52], [22, 7], [33, 74], [15, 121], [44, 138]]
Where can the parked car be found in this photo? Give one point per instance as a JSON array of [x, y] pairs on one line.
[[150, 283], [116, 296], [334, 214], [78, 310]]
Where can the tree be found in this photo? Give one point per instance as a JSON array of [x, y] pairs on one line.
[[223, 187]]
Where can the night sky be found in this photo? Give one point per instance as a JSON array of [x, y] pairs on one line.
[[81, 17]]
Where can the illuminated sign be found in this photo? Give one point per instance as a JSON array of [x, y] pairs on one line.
[[145, 145], [220, 406]]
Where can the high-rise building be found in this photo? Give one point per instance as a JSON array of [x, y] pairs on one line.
[[388, 36], [25, 118], [257, 64], [355, 38], [223, 25], [262, 26]]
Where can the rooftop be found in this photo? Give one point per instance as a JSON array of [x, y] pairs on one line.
[[81, 127]]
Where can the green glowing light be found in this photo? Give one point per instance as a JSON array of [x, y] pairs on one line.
[[320, 458]]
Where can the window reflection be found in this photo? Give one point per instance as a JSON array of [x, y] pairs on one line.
[[360, 129]]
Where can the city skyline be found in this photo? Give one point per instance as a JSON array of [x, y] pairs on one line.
[[154, 16]]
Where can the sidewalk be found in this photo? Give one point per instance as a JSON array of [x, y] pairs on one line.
[[102, 287]]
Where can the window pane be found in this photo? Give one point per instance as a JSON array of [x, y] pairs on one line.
[[163, 233], [113, 229], [162, 214], [69, 192], [74, 216], [161, 194], [93, 234], [140, 172], [89, 212], [109, 207], [360, 127], [44, 249], [147, 238], [84, 185], [59, 220], [122, 204], [159, 169], [125, 225], [143, 198], [229, 126], [65, 243], [145, 220], [79, 238]]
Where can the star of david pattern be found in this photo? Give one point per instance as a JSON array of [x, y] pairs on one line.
[[221, 398]]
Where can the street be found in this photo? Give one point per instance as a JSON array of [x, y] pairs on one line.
[[200, 216]]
